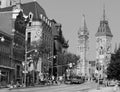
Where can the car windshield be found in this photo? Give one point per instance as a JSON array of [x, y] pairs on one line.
[[76, 77]]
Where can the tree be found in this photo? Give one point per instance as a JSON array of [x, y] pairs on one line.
[[42, 48], [64, 60], [113, 69]]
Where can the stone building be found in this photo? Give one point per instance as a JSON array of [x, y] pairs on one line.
[[33, 32], [92, 68], [8, 17], [83, 44], [60, 46], [103, 45], [40, 27], [7, 68]]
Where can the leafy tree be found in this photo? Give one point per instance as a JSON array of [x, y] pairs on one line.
[[65, 59], [42, 48], [113, 69]]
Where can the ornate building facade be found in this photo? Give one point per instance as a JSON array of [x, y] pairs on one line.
[[7, 68], [39, 27], [83, 41], [60, 47], [103, 45]]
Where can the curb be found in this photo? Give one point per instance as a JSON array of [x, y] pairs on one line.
[[32, 87]]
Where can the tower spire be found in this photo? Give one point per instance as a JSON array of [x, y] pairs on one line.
[[83, 24], [104, 12]]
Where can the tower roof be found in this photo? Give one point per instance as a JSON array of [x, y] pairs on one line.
[[83, 28], [103, 29]]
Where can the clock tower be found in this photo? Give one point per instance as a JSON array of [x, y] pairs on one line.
[[83, 36], [103, 44]]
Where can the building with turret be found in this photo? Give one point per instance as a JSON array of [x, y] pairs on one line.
[[103, 45], [83, 37], [40, 27]]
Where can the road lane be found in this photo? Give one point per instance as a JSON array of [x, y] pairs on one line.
[[59, 88]]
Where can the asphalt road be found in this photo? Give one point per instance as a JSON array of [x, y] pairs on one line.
[[60, 88]]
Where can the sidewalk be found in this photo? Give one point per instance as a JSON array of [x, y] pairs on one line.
[[104, 89], [34, 86]]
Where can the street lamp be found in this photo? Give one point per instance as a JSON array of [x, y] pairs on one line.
[[2, 40], [52, 61], [0, 76], [25, 63]]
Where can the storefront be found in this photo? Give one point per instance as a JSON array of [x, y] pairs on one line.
[[6, 75]]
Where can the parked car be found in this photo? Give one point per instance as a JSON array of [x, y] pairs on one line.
[[77, 79], [112, 83], [67, 81]]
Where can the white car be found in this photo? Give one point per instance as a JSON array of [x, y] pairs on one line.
[[112, 83]]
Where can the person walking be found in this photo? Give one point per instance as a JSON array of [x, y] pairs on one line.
[[116, 88]]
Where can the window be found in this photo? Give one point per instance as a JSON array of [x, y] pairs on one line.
[[30, 17], [41, 16], [29, 38], [18, 71]]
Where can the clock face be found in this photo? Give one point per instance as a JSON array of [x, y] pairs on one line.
[[38, 33]]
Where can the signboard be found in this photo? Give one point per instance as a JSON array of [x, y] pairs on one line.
[[25, 71]]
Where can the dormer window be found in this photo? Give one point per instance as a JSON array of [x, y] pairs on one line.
[[31, 18], [41, 16], [44, 18]]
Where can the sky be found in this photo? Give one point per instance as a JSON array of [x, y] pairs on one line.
[[69, 14]]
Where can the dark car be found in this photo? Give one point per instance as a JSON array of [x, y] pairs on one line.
[[77, 80]]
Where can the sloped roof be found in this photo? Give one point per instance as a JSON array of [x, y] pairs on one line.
[[83, 28], [103, 29], [33, 7], [6, 22]]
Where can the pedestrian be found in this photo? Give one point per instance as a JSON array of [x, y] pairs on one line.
[[53, 79], [116, 88]]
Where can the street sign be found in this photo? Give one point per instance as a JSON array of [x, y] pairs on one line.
[[25, 71]]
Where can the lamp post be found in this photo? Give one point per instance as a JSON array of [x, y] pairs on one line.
[[52, 62], [0, 77], [2, 40], [25, 63]]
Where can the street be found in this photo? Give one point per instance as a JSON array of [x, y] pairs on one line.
[[60, 88]]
